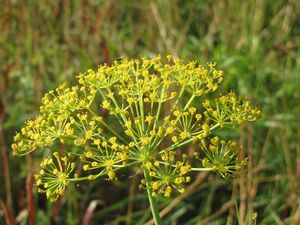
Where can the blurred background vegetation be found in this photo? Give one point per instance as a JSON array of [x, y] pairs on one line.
[[255, 42]]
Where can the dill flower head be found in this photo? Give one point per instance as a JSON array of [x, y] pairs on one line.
[[167, 174], [220, 155], [140, 113], [54, 175]]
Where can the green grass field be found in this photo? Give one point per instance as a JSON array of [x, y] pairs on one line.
[[256, 43]]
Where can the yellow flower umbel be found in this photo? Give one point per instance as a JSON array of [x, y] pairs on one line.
[[167, 174], [221, 156], [54, 175], [150, 113]]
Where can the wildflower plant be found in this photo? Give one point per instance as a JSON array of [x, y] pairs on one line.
[[136, 113]]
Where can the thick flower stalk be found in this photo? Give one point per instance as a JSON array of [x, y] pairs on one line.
[[136, 112]]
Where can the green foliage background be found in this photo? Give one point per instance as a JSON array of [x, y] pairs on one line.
[[256, 43]]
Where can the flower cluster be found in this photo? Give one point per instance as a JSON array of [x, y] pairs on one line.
[[135, 112], [197, 79], [54, 175], [221, 156], [229, 110], [167, 174], [55, 122], [105, 156]]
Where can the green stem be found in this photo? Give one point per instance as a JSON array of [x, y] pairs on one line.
[[107, 126], [189, 102], [152, 200], [202, 169]]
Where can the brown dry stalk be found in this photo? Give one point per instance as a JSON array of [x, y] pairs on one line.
[[30, 198], [296, 220], [102, 12], [243, 190], [250, 179], [234, 193], [7, 215], [90, 212], [4, 151], [224, 208], [162, 28]]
